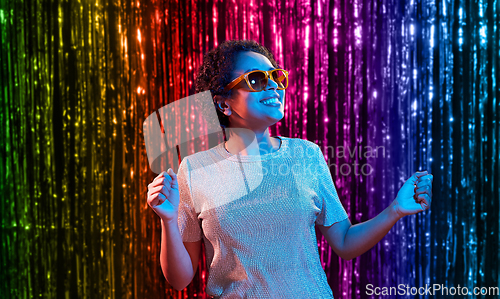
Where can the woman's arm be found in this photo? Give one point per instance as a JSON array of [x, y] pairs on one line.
[[178, 260], [350, 241]]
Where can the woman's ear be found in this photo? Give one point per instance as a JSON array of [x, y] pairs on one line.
[[222, 105]]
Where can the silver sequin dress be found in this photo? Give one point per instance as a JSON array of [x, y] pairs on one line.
[[257, 216]]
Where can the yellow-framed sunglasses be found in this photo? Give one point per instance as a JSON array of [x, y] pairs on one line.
[[257, 80]]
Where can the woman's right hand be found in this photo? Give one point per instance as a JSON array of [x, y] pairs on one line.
[[163, 195]]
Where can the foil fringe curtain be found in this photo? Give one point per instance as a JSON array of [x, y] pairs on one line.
[[417, 79]]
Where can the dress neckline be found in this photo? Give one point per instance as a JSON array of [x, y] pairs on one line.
[[221, 149]]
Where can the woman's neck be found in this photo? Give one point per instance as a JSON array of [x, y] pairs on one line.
[[247, 142]]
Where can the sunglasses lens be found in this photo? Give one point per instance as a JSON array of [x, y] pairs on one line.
[[258, 80], [280, 78]]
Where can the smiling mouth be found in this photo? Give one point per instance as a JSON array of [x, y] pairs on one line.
[[272, 101]]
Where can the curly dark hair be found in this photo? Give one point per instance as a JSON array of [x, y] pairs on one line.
[[215, 72]]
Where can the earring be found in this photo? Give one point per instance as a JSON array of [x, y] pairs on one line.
[[222, 110]]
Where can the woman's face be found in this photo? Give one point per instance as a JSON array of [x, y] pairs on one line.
[[247, 109]]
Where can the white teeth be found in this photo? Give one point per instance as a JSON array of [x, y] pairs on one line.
[[271, 101]]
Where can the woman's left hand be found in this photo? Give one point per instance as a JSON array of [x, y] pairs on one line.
[[415, 196]]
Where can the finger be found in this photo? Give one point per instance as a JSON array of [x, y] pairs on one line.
[[429, 176], [427, 188], [413, 179], [161, 198], [168, 176], [156, 185], [420, 200], [173, 175], [157, 200], [166, 180], [162, 188], [162, 174], [424, 182], [421, 173], [157, 182], [424, 189], [152, 199], [166, 190], [425, 177], [425, 199], [417, 200]]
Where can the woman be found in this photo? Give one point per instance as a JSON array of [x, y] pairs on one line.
[[254, 199]]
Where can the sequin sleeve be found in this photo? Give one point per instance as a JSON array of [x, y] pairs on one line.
[[189, 224], [332, 210]]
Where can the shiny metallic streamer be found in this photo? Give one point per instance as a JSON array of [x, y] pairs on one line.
[[78, 78], [71, 154]]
